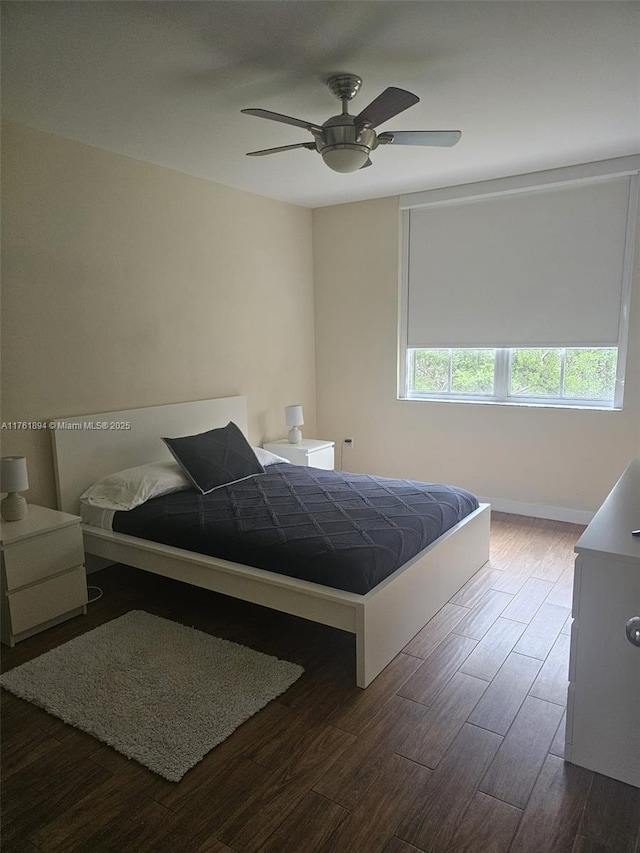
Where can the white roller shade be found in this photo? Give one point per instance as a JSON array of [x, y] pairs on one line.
[[540, 267]]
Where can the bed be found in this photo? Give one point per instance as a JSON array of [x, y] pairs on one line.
[[383, 619]]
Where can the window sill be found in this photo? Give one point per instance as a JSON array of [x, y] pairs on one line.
[[528, 404]]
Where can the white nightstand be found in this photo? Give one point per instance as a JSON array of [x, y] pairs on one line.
[[310, 451], [43, 580]]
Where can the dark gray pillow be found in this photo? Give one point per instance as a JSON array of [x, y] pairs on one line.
[[215, 458]]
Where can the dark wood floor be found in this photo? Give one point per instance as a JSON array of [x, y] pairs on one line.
[[457, 746]]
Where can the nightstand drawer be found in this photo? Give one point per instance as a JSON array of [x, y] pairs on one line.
[[47, 600], [34, 559], [311, 452], [322, 458]]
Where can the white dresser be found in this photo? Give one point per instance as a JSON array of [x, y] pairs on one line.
[[43, 580], [311, 451], [603, 708]]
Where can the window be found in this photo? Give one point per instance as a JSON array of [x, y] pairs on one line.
[[569, 376], [518, 290]]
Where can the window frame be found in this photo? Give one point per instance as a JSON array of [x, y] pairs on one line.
[[619, 166], [503, 360]]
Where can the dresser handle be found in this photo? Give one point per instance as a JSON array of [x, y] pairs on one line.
[[633, 630]]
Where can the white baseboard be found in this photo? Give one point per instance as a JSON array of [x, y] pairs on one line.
[[554, 513]]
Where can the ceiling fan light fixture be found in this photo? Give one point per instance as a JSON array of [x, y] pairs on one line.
[[345, 141], [345, 158]]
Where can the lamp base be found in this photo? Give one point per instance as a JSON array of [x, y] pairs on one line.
[[14, 507], [295, 436]]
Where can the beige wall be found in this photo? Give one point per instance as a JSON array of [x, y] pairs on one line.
[[127, 284], [559, 458]]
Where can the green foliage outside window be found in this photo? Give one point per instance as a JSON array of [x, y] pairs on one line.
[[463, 371], [472, 371], [590, 373], [535, 373], [430, 370]]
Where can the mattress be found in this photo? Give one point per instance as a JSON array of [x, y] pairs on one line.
[[343, 530]]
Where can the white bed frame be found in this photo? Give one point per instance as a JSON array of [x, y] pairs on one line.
[[383, 620]]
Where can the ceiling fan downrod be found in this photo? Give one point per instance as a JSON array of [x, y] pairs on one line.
[[344, 146]]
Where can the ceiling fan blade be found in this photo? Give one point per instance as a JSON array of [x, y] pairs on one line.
[[368, 163], [296, 122], [387, 105], [310, 145], [443, 138]]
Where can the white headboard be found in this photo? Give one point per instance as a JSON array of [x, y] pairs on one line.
[[91, 446]]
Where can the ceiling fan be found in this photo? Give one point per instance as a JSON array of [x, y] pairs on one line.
[[345, 141]]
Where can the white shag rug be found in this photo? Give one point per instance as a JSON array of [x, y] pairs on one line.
[[155, 690]]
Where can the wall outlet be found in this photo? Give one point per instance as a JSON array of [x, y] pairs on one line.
[[348, 442]]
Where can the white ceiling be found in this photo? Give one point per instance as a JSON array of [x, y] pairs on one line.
[[532, 85]]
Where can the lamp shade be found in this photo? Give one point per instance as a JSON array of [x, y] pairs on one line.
[[13, 474], [293, 415]]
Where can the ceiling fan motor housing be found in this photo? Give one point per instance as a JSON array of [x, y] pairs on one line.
[[345, 147]]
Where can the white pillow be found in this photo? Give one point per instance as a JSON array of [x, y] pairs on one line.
[[265, 457], [130, 488]]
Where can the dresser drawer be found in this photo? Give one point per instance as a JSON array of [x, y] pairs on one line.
[[47, 600], [34, 559]]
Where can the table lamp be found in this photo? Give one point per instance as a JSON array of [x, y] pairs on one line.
[[295, 419], [13, 479]]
